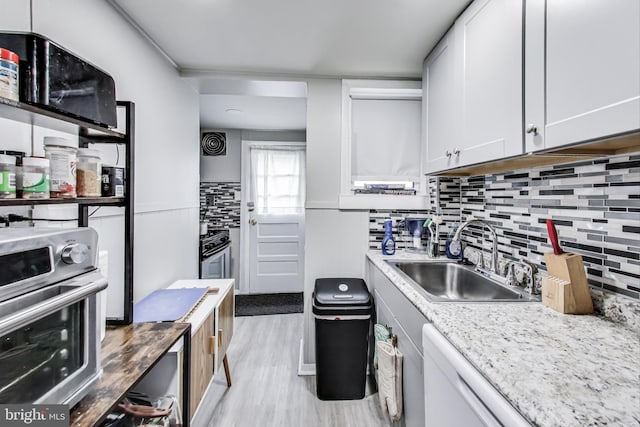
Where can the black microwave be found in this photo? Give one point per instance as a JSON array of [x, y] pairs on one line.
[[53, 78]]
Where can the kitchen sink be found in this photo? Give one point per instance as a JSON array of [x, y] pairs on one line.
[[445, 281]]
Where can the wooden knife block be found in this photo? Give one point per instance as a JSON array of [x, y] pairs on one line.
[[571, 293]]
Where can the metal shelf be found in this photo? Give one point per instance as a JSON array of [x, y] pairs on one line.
[[31, 114], [92, 201], [89, 133]]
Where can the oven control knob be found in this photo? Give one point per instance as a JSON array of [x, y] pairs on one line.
[[75, 253]]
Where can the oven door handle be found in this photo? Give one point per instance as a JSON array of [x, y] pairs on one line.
[[94, 283]]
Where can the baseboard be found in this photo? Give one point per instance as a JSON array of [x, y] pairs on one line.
[[305, 369]]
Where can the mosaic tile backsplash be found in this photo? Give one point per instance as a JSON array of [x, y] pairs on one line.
[[595, 205], [220, 204]]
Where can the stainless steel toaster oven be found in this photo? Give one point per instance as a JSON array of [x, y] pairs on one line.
[[49, 337]]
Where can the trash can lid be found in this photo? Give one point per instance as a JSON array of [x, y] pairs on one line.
[[341, 292]]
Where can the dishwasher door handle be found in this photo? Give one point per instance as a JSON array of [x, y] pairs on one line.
[[477, 405]]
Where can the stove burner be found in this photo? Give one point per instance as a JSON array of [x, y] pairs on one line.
[[212, 242]]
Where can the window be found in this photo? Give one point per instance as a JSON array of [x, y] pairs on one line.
[[381, 141], [278, 181]]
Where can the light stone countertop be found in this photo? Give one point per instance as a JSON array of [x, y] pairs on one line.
[[556, 369]]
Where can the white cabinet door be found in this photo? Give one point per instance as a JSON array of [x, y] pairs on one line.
[[592, 71], [440, 108], [489, 38]]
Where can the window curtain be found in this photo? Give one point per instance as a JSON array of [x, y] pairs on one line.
[[385, 140], [278, 182]]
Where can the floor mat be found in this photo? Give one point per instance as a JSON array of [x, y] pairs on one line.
[[261, 304]]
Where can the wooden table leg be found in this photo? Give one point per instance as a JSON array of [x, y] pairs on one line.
[[227, 372]]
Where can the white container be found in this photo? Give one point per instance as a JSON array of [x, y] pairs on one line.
[[35, 178], [62, 155], [7, 177], [89, 173], [9, 66]]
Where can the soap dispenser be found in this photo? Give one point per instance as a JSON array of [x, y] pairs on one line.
[[388, 242]]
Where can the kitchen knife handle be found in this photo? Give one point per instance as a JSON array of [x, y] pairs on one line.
[[553, 236]]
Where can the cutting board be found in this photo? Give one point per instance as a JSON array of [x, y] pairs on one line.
[[167, 305]]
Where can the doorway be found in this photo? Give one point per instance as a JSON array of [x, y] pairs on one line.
[[272, 217]]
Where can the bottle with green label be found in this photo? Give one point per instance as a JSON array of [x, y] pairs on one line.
[[7, 177]]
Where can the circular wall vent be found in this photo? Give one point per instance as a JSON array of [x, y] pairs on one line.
[[214, 143]]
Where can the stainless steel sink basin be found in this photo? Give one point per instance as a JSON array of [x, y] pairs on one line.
[[450, 281]]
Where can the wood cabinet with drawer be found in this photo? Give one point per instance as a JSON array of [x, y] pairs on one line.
[[212, 322]]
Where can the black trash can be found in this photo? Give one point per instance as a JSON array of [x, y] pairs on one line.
[[342, 308]]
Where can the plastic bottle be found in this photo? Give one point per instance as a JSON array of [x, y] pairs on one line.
[[9, 74], [89, 173], [62, 157], [388, 242], [35, 178], [7, 177]]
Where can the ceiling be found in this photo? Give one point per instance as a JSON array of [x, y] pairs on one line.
[[255, 40]]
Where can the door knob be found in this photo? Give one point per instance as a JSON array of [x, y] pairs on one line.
[[456, 151], [447, 153], [253, 221], [531, 129]]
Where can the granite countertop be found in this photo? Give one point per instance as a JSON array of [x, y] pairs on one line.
[[556, 369]]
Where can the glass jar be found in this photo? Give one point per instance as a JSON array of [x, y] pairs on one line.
[[62, 155], [7, 177], [89, 176], [35, 178]]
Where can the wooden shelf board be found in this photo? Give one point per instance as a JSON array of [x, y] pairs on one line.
[[31, 114], [128, 354]]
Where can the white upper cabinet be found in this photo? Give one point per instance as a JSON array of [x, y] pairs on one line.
[[586, 85], [473, 88], [439, 108], [489, 42]]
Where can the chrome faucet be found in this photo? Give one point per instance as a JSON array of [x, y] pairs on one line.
[[494, 250]]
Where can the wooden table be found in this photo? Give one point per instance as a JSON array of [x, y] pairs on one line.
[[128, 354]]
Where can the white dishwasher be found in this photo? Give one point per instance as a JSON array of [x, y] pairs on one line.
[[455, 393]]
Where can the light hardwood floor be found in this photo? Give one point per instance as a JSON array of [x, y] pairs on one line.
[[267, 390]]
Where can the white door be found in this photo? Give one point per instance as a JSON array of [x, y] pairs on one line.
[[276, 253], [275, 213]]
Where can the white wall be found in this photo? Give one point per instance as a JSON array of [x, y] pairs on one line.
[[167, 136], [223, 168], [336, 241]]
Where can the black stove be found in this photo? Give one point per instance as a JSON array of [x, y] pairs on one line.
[[213, 242]]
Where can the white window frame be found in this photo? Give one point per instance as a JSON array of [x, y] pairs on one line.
[[382, 90]]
